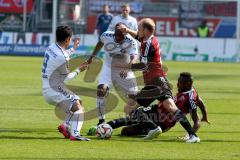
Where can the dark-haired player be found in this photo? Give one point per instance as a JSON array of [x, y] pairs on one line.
[[187, 100], [55, 73], [120, 48]]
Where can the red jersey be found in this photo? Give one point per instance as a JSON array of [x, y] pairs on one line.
[[151, 55], [186, 101]]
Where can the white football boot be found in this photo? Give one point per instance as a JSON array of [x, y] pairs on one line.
[[154, 133], [193, 139]]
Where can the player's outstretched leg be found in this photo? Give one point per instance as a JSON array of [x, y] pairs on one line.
[[142, 118], [116, 123]]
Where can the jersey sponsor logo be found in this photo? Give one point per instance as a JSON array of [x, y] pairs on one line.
[[110, 46]]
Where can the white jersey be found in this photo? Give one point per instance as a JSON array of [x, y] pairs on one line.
[[130, 22], [54, 68], [118, 53], [126, 49]]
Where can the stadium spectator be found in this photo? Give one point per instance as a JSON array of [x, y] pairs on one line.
[[103, 20], [203, 29], [21, 36]]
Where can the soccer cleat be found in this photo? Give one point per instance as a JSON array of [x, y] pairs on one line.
[[193, 139], [153, 133], [78, 138], [64, 130], [92, 131]]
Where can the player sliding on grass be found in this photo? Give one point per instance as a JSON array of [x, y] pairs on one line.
[[55, 73], [143, 119], [156, 83], [121, 49]]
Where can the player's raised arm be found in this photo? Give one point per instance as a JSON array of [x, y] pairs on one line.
[[75, 46], [133, 33]]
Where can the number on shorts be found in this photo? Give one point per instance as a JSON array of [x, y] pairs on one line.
[[46, 58]]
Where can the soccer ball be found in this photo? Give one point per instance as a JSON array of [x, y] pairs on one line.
[[104, 131]]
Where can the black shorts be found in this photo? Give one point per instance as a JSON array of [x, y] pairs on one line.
[[136, 128], [159, 89]]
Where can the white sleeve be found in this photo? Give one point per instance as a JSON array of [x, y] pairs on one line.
[[71, 76], [135, 25], [134, 48]]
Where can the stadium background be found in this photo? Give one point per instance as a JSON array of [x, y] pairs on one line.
[[28, 30]]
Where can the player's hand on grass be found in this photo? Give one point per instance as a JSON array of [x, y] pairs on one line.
[[123, 73], [205, 119], [76, 43]]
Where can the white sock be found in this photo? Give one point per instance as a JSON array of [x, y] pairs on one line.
[[101, 107], [68, 118], [76, 122]]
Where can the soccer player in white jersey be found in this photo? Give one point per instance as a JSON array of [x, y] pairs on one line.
[[120, 48], [124, 18], [55, 73]]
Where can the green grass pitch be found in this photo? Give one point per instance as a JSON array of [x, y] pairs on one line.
[[28, 124]]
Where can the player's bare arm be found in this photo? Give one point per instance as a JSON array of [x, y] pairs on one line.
[[196, 120], [203, 109], [95, 51], [123, 73], [133, 33]]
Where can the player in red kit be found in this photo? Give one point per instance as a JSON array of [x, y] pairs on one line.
[[156, 86], [187, 100]]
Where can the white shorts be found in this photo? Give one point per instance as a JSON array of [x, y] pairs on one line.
[[111, 78], [54, 98]]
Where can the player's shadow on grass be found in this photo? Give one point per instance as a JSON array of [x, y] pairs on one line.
[[25, 130], [89, 158], [30, 138], [163, 139], [213, 132], [220, 140]]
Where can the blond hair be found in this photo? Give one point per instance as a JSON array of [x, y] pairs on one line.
[[148, 23]]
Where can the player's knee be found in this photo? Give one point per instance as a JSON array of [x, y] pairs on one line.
[[170, 105], [102, 90], [76, 106]]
